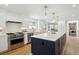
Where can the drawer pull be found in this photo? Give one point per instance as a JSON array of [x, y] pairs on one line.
[[42, 43]]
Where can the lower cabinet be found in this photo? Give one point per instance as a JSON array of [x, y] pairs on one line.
[[3, 43], [29, 37], [25, 38], [45, 47], [42, 47]]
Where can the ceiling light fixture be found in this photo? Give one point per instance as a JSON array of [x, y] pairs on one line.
[[74, 5], [73, 15], [6, 4], [53, 13]]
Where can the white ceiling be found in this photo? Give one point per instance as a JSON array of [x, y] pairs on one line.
[[37, 10]]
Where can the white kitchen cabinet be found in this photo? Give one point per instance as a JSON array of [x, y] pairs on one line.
[[77, 27], [3, 43], [25, 38]]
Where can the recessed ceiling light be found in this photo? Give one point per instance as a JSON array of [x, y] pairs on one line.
[[6, 4], [73, 15], [74, 5]]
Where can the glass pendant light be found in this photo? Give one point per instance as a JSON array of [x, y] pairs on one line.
[[45, 10]]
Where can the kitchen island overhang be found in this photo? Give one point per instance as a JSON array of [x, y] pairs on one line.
[[48, 44]]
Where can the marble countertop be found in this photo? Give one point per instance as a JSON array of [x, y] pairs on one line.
[[48, 36]]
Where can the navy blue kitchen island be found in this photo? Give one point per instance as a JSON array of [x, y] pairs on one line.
[[48, 44]]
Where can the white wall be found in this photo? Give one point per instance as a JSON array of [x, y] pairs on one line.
[[2, 21], [61, 26]]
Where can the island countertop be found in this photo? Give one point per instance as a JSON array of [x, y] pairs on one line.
[[48, 36]]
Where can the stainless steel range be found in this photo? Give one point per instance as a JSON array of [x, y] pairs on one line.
[[15, 40]]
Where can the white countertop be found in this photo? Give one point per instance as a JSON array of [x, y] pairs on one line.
[[48, 36]]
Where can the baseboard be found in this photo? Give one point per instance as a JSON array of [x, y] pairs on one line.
[[1, 53], [28, 43]]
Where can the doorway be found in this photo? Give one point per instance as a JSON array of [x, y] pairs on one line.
[[72, 29]]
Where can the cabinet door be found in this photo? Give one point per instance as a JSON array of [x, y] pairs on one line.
[[3, 43], [57, 47], [50, 47], [42, 47], [62, 42], [29, 37], [25, 39]]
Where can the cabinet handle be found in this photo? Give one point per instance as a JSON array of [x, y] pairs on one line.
[[42, 43]]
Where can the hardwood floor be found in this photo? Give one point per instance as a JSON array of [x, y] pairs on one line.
[[25, 50], [71, 48]]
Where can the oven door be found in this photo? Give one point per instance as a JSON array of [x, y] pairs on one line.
[[16, 40], [16, 43]]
